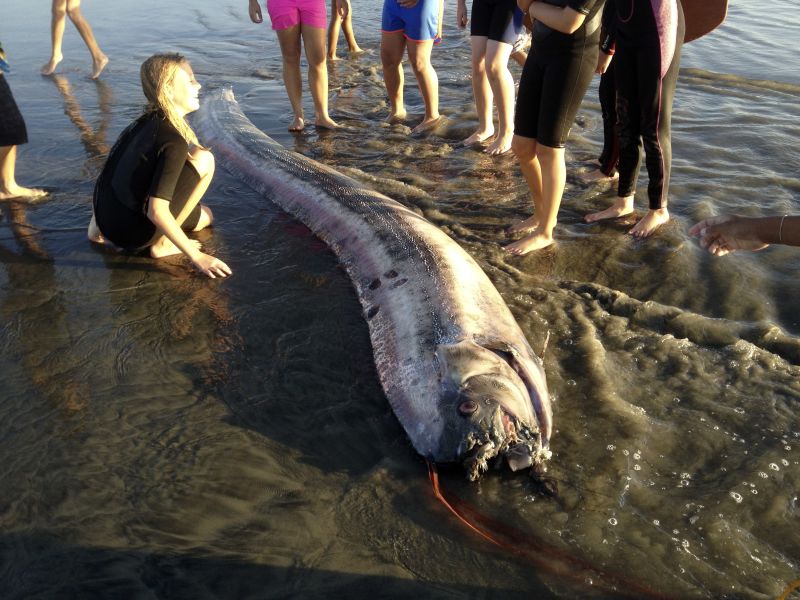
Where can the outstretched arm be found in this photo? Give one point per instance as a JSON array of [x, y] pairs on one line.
[[255, 12], [158, 212], [729, 233]]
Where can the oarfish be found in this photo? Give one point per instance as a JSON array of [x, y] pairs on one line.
[[455, 366]]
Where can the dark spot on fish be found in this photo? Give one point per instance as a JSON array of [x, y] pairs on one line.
[[390, 274], [372, 311], [399, 282], [375, 284]]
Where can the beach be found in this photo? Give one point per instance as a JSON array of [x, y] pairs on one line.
[[165, 435]]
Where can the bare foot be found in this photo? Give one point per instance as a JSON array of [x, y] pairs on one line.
[[501, 145], [427, 124], [297, 125], [332, 57], [481, 135], [98, 64], [50, 67], [597, 176], [164, 247], [356, 50], [17, 191], [528, 224], [93, 233], [620, 208], [397, 116], [325, 123], [650, 222], [534, 241]]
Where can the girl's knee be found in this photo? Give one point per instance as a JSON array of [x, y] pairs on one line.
[[206, 218], [203, 161], [524, 148]]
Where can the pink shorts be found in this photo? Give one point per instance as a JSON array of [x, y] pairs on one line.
[[288, 13]]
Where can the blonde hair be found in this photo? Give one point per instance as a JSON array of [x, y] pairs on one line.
[[157, 74]]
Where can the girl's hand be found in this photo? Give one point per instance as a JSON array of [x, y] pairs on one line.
[[525, 5], [461, 14], [255, 12], [407, 3], [211, 266], [603, 60], [342, 8]]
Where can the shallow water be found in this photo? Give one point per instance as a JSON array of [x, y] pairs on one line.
[[169, 436]]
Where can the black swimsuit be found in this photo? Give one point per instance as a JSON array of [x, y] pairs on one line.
[[556, 76], [12, 125], [150, 158]]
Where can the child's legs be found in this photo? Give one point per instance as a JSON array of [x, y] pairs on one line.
[[333, 30], [82, 25], [626, 74], [480, 84], [58, 20], [502, 83], [289, 40], [393, 46], [314, 44], [419, 55]]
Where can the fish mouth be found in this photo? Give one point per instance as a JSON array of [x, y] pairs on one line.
[[502, 435]]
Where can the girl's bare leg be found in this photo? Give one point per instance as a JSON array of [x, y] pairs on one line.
[[314, 43], [481, 91], [554, 176], [525, 150], [349, 36], [393, 46], [333, 31], [99, 60], [203, 162], [419, 55], [289, 40], [502, 84], [57, 22], [9, 188]]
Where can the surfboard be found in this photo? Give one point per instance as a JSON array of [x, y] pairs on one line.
[[702, 17]]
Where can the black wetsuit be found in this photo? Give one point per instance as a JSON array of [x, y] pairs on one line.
[[647, 54], [607, 91], [556, 76], [150, 158], [12, 125]]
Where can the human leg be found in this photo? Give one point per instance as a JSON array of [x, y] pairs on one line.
[[553, 172], [393, 46], [99, 60], [9, 188], [349, 35], [289, 40], [481, 91], [334, 25], [314, 44], [525, 150], [57, 22], [419, 55], [502, 84]]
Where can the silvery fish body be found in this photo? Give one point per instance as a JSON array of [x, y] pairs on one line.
[[455, 366]]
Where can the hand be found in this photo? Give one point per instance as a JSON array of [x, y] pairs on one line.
[[461, 14], [342, 8], [255, 12], [727, 233], [213, 267], [603, 60], [525, 5], [407, 3]]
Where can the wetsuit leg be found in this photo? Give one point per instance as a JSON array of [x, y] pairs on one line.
[[628, 122], [607, 92]]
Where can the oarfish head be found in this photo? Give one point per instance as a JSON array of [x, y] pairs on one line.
[[495, 404]]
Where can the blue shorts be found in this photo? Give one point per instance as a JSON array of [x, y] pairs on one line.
[[420, 23]]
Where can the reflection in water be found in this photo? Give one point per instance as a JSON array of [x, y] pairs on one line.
[[93, 138]]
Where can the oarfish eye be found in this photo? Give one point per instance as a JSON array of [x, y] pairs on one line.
[[467, 407]]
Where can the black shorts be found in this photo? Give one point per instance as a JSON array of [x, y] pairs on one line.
[[551, 89], [12, 125], [498, 20], [132, 230]]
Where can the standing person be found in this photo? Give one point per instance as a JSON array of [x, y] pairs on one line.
[[495, 27], [301, 23], [72, 8], [12, 133], [148, 193], [554, 80], [644, 37], [341, 18], [415, 26]]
